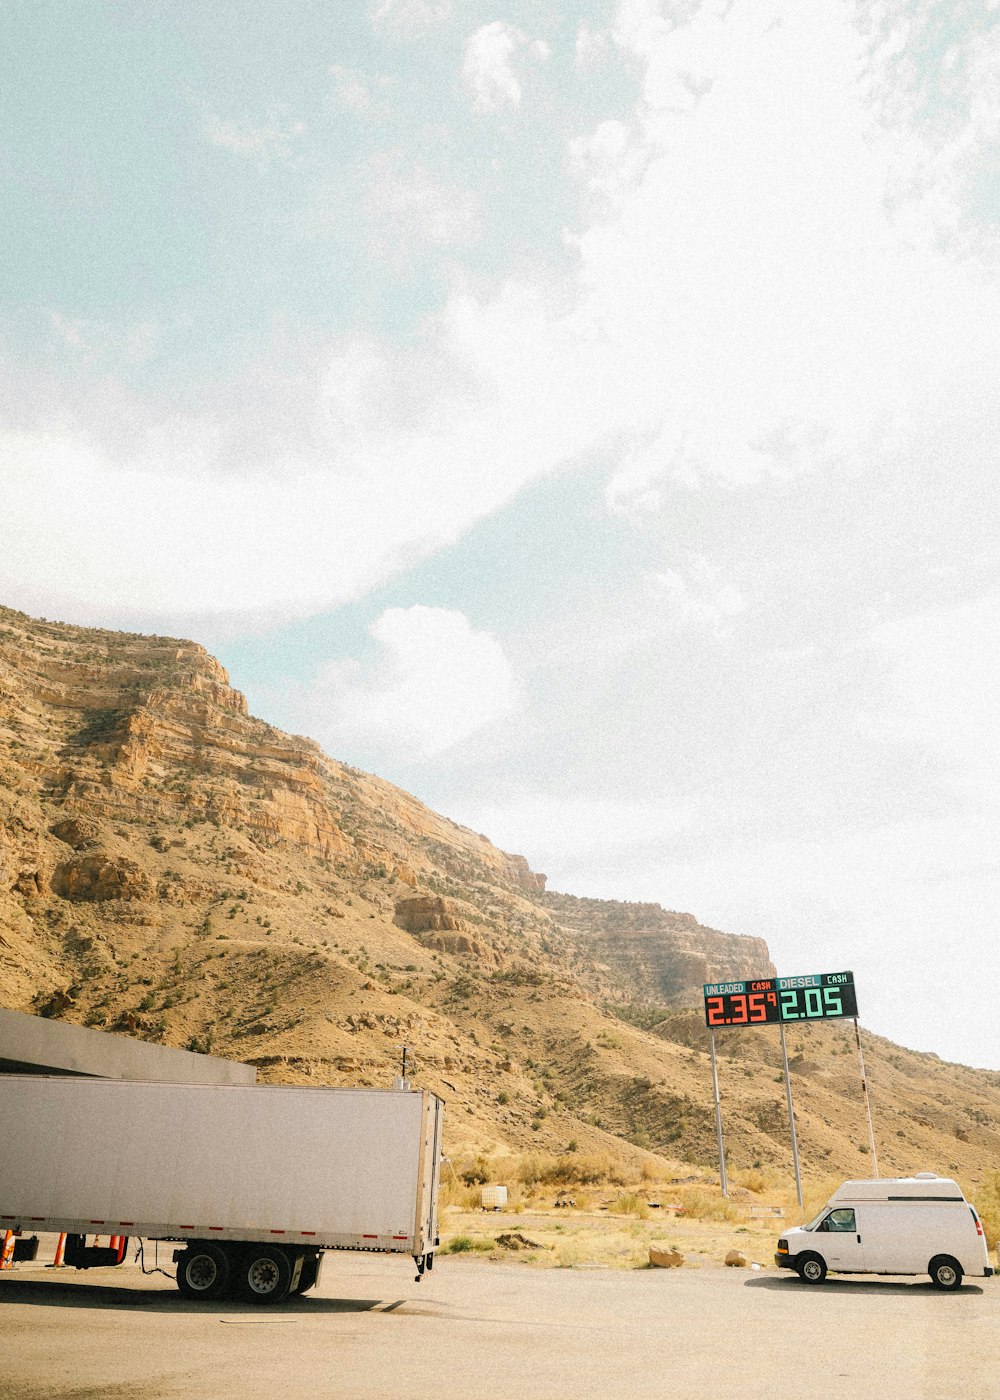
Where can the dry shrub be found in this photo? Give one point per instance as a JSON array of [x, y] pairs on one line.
[[466, 1244], [987, 1203], [758, 1181], [699, 1204], [628, 1203], [570, 1169]]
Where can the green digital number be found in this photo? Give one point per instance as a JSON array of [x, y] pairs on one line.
[[813, 1001], [789, 1002], [833, 1001]]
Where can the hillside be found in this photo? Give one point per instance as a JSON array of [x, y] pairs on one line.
[[176, 869]]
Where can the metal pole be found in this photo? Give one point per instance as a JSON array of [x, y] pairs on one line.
[[791, 1113], [868, 1102], [718, 1122]]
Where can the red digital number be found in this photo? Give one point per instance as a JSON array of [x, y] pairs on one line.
[[716, 1015], [739, 1015], [758, 1011]]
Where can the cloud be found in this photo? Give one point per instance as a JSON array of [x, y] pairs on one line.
[[699, 599], [590, 49], [415, 206], [435, 682], [560, 833], [410, 17], [487, 70], [352, 89], [269, 142], [945, 690], [743, 311]]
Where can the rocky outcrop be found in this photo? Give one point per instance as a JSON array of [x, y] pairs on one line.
[[659, 956], [97, 878], [521, 873], [424, 912]]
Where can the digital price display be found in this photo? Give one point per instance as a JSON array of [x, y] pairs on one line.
[[766, 1001]]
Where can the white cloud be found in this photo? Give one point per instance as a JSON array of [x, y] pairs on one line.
[[436, 682], [409, 17], [556, 831], [419, 207], [272, 141], [352, 89], [747, 312], [945, 678], [699, 598], [608, 160], [590, 49], [487, 68]]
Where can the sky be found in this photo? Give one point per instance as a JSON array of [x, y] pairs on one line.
[[582, 415]]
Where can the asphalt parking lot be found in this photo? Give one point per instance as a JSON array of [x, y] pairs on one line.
[[476, 1330]]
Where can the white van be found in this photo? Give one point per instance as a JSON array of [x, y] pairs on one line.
[[897, 1225]]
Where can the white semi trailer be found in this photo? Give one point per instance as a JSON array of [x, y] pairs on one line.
[[253, 1183]]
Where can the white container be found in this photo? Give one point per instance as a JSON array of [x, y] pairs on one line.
[[493, 1197], [305, 1168]]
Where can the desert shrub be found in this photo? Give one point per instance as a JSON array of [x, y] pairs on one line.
[[628, 1203], [702, 1204], [987, 1203], [465, 1244]]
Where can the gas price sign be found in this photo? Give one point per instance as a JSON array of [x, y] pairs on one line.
[[772, 1000]]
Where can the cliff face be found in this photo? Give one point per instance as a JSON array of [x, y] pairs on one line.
[[659, 956], [174, 868]]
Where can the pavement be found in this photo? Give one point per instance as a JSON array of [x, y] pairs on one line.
[[479, 1330]]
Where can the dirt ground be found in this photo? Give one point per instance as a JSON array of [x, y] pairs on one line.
[[477, 1329], [595, 1239]]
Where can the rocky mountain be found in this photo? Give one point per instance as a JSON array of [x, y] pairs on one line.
[[179, 870]]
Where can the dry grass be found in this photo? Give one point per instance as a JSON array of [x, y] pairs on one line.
[[987, 1203], [611, 1224]]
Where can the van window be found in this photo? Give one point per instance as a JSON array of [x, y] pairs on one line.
[[841, 1219]]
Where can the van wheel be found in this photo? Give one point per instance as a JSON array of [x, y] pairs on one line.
[[265, 1275], [945, 1272], [812, 1269], [203, 1271]]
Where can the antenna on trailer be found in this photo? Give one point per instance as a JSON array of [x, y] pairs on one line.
[[401, 1082]]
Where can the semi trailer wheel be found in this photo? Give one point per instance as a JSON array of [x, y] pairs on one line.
[[203, 1271], [265, 1274]]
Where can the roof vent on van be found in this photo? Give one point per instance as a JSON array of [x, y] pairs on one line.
[[925, 1176]]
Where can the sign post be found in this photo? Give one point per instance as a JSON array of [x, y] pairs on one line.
[[718, 1123], [868, 1102], [791, 1115], [768, 1001]]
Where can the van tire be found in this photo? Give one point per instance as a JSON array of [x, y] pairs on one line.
[[811, 1268], [945, 1272]]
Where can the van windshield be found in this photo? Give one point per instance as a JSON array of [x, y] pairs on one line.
[[813, 1223]]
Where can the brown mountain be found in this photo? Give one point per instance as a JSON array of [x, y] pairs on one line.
[[176, 869]]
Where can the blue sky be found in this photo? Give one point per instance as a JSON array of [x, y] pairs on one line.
[[584, 416]]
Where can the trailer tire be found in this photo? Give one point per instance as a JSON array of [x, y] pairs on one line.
[[945, 1272], [203, 1271], [265, 1275], [811, 1268]]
